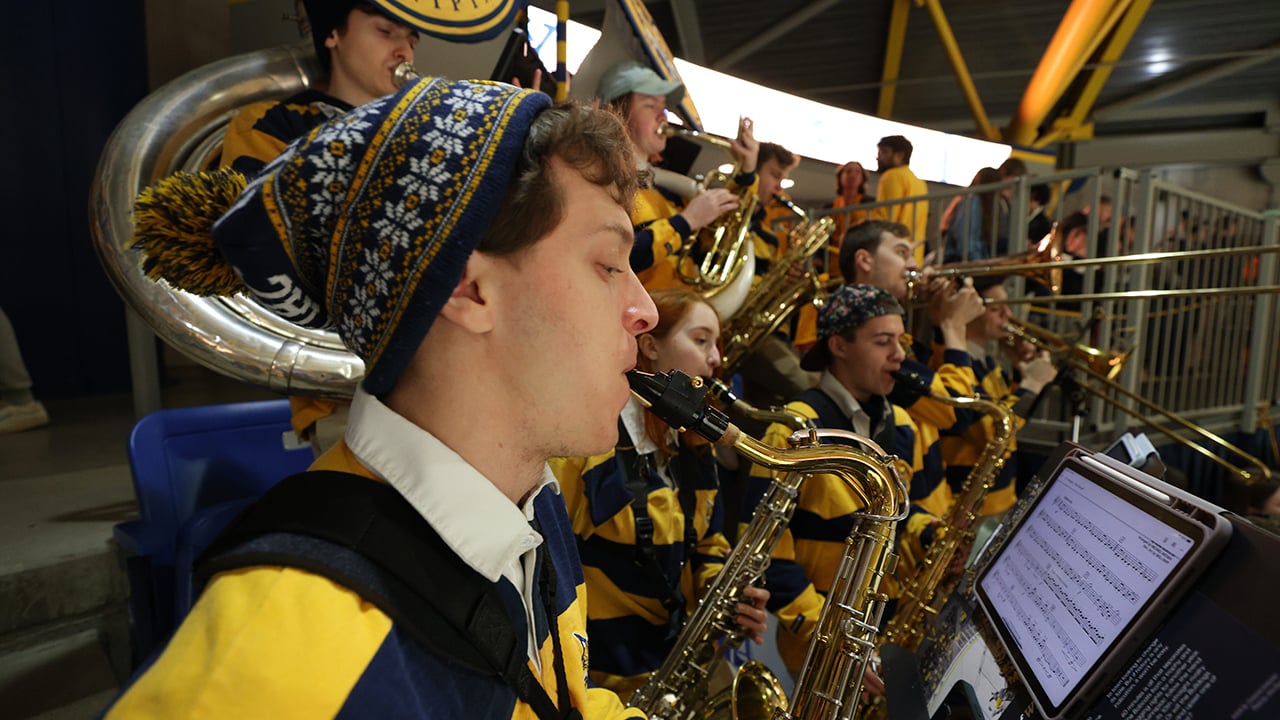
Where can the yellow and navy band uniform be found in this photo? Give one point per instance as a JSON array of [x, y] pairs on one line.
[[271, 641], [809, 551], [952, 376], [768, 244], [261, 131], [661, 231], [963, 443], [631, 627]]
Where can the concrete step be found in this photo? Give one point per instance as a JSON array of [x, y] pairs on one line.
[[64, 645], [59, 560], [68, 669]]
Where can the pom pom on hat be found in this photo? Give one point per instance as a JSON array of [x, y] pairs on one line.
[[365, 225], [173, 223]]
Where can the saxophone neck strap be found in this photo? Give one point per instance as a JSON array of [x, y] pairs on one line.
[[637, 469]]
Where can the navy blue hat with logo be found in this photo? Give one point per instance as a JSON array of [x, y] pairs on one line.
[[849, 307]]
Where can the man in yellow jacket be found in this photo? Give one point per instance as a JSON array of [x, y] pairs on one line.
[[459, 236], [893, 162]]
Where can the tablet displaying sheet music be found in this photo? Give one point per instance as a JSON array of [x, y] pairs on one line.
[[1089, 573]]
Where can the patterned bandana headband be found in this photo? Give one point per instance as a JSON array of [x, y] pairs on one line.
[[365, 225], [851, 306]]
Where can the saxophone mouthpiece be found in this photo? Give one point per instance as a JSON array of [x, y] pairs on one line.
[[910, 382], [680, 401]]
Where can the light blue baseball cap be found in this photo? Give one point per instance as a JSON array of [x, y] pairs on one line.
[[632, 77]]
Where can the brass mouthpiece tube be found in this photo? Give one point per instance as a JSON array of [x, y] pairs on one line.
[[722, 394], [404, 73]]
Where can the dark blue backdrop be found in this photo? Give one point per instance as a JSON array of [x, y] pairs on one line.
[[73, 69]]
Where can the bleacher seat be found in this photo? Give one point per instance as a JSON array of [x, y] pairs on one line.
[[194, 469]]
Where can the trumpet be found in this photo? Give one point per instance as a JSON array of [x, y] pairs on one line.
[[1101, 367], [1107, 363], [1042, 263]]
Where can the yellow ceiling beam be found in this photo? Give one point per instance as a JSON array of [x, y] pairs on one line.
[[956, 58], [1081, 31], [1115, 47], [893, 57]]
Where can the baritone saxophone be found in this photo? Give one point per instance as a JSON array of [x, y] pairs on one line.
[[844, 640]]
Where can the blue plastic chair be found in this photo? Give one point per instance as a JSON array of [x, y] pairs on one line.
[[194, 470]]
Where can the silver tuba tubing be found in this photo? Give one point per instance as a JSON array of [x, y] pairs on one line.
[[180, 127]]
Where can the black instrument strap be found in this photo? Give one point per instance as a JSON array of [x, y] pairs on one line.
[[468, 624], [637, 469]]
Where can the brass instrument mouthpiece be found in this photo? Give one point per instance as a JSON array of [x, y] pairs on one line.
[[404, 73]]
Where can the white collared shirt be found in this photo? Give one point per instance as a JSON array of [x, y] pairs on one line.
[[847, 403], [977, 351], [475, 519]]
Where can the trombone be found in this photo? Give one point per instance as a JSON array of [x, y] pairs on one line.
[[1044, 264], [1103, 366]]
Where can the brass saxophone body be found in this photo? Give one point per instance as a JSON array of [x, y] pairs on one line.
[[778, 293], [845, 636], [924, 587]]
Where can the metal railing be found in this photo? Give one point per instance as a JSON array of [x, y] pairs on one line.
[[1214, 360]]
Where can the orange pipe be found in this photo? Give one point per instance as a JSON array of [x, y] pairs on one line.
[[1062, 60]]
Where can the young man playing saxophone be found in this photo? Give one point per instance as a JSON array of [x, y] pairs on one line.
[[460, 236], [877, 252], [860, 329]]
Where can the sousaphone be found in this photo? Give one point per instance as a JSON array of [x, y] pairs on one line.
[[180, 127]]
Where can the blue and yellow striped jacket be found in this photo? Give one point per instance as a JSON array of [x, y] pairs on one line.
[[963, 443], [273, 641], [626, 618]]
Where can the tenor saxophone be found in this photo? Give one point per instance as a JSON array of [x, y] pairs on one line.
[[844, 639], [927, 585]]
